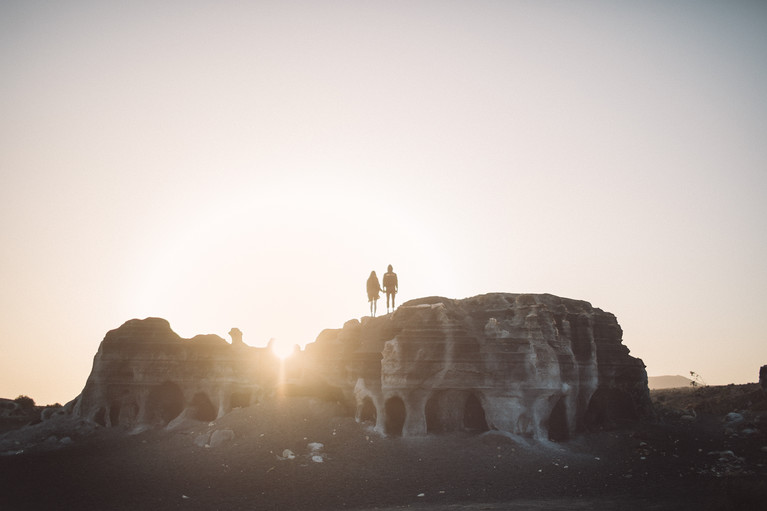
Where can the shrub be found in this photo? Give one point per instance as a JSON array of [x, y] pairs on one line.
[[25, 402]]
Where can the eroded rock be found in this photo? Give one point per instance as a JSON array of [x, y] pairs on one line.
[[536, 366], [532, 365]]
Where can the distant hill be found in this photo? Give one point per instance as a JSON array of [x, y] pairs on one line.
[[668, 382]]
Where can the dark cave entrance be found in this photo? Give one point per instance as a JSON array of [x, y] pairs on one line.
[[608, 406], [434, 419], [100, 417], [558, 430], [454, 410], [203, 409], [240, 399], [368, 411], [395, 416], [165, 402], [114, 414], [474, 415]]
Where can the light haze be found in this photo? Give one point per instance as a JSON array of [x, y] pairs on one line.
[[247, 164]]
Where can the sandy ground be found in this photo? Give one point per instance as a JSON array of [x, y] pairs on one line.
[[265, 457]]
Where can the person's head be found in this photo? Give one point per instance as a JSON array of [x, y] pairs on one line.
[[373, 273], [389, 268]]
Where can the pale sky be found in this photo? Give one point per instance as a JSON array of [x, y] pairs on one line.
[[247, 164]]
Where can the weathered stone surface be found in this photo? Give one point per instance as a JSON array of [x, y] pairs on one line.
[[144, 373], [534, 365]]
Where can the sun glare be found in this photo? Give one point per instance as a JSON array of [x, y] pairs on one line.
[[281, 349]]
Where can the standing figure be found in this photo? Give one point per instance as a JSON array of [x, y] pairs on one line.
[[374, 287], [391, 286]]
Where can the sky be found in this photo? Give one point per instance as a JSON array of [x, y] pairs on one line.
[[248, 164]]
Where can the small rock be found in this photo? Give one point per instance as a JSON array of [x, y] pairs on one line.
[[220, 437], [317, 458], [733, 417], [287, 454]]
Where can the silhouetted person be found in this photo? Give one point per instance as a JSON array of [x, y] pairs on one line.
[[374, 288], [391, 286]]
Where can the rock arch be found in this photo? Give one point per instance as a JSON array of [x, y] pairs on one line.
[[100, 416], [240, 399], [608, 405], [557, 424], [368, 412], [164, 403], [434, 414], [395, 415], [202, 408], [114, 414], [474, 414], [454, 410]]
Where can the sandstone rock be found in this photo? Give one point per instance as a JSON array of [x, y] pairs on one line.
[[535, 366], [532, 365], [145, 374]]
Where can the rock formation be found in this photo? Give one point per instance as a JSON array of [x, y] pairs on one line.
[[145, 374], [533, 365]]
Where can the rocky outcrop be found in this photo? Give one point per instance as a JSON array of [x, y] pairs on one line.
[[534, 365], [145, 374]]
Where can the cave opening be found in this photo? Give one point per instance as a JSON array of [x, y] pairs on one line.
[[607, 406], [203, 408], [368, 411], [240, 399], [474, 415], [434, 419], [558, 429], [100, 417], [114, 414], [395, 416], [165, 402]]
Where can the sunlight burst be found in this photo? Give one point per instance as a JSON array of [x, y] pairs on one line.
[[281, 349]]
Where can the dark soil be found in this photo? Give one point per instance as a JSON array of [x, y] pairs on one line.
[[689, 457]]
